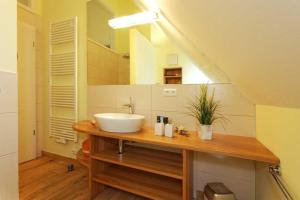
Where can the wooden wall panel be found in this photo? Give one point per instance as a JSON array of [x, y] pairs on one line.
[[106, 67]]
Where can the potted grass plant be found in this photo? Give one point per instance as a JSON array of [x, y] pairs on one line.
[[206, 110]]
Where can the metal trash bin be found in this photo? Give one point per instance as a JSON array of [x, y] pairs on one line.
[[217, 191]]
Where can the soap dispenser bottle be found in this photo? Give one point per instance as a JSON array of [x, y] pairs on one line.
[[169, 130], [159, 127]]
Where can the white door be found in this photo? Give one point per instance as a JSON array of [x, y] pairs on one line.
[[27, 92]]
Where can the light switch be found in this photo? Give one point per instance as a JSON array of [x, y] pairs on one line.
[[170, 92]]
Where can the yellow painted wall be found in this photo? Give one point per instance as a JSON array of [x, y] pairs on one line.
[[97, 23], [55, 10], [8, 39], [37, 6], [123, 8], [28, 17], [112, 5], [279, 129], [122, 35]]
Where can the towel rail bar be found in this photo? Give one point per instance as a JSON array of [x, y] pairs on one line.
[[275, 172]]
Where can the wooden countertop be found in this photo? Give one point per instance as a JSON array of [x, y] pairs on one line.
[[234, 146]]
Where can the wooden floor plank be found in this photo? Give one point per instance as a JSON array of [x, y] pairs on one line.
[[34, 163], [46, 178]]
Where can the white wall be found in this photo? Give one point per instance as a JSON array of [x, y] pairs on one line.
[[142, 59], [8, 101], [254, 42], [191, 73], [237, 174]]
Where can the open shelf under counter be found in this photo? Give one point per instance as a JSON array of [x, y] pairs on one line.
[[141, 183], [83, 159], [149, 160], [158, 174]]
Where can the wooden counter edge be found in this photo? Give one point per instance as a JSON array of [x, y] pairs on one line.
[[270, 159]]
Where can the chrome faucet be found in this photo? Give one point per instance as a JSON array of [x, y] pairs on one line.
[[130, 105]]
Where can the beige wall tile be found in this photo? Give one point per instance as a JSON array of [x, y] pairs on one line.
[[151, 98], [265, 190], [176, 118], [244, 190], [141, 96], [104, 96], [9, 177], [236, 125], [232, 101], [185, 94], [92, 110], [233, 168], [8, 92], [146, 113], [8, 133]]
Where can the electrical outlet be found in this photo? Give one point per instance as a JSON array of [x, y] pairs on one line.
[[170, 92]]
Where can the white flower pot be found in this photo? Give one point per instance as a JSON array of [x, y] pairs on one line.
[[205, 132]]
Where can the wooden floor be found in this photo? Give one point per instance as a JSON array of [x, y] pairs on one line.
[[46, 178]]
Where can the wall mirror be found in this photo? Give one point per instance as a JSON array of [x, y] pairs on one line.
[[140, 54]]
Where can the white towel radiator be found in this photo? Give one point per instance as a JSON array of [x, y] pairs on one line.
[[63, 80]]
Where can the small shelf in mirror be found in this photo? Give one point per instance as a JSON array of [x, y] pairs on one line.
[[173, 75]]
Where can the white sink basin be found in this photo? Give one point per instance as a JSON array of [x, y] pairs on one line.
[[119, 122]]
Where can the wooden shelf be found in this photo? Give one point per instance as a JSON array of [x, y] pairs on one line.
[[150, 160], [173, 75], [141, 183]]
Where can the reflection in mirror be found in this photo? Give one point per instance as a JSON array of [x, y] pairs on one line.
[[140, 54]]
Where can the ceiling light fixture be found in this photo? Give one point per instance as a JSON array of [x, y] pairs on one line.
[[133, 20]]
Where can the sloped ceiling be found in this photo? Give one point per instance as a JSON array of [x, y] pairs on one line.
[[256, 43]]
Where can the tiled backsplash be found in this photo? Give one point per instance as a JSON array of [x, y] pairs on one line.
[[8, 135], [237, 174], [8, 113], [150, 101]]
